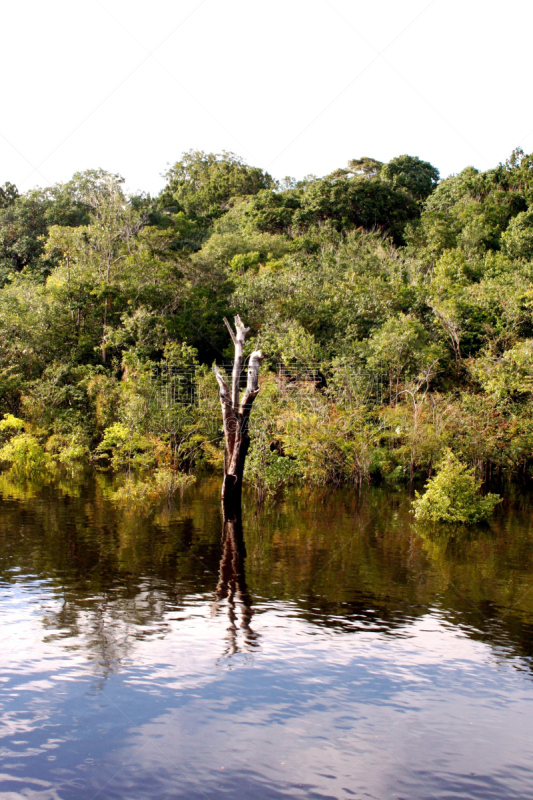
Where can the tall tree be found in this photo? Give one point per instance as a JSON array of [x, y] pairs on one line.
[[202, 184]]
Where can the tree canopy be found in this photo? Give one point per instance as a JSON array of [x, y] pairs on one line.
[[395, 310]]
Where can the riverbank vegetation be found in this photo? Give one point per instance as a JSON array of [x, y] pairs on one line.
[[394, 310]]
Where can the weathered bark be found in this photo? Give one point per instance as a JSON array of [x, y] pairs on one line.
[[235, 417]]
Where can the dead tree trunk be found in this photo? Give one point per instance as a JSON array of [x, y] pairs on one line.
[[235, 417]]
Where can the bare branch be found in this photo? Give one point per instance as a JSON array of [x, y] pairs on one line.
[[241, 328], [237, 364], [221, 382], [230, 329], [229, 418], [252, 385]]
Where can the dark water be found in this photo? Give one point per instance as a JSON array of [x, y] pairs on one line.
[[354, 658]]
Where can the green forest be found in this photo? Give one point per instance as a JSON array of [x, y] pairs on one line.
[[394, 309]]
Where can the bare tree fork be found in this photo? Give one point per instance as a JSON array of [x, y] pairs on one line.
[[236, 415]]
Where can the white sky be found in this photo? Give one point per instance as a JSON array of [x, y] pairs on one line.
[[293, 86]]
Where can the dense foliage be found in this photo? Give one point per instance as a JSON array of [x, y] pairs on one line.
[[395, 311]]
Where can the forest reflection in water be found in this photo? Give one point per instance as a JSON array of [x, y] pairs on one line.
[[344, 559], [273, 634]]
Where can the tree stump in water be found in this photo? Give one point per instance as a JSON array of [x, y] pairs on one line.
[[235, 416]]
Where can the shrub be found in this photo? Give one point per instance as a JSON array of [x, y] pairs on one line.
[[69, 449], [127, 448], [9, 426], [267, 470], [25, 455], [453, 495]]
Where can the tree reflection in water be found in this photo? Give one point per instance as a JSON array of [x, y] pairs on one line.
[[381, 643], [344, 562], [232, 585]]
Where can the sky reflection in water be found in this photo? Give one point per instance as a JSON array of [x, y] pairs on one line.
[[354, 656]]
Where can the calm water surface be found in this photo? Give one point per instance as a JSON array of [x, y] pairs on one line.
[[346, 654]]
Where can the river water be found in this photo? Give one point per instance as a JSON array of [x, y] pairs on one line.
[[345, 654]]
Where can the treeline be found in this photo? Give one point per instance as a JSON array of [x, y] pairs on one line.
[[394, 308]]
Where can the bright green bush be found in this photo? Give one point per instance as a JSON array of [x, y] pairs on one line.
[[128, 449], [68, 449], [11, 425], [453, 495], [25, 454]]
